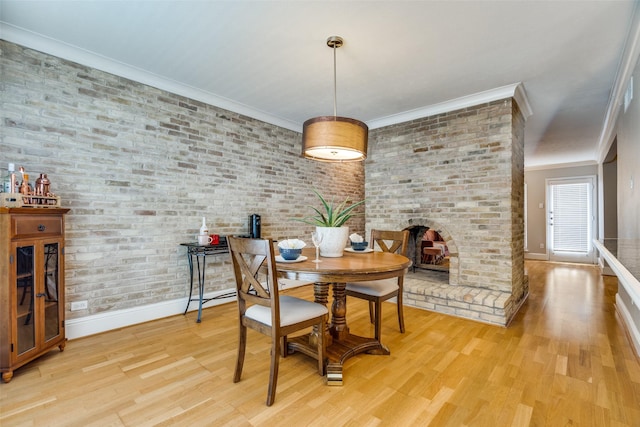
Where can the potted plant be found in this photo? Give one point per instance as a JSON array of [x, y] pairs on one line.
[[329, 221]]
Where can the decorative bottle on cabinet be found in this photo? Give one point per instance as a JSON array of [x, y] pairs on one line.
[[9, 182], [31, 285]]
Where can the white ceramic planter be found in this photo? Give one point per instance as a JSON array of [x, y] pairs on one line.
[[334, 240]]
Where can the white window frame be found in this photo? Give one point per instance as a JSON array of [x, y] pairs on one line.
[[564, 256]]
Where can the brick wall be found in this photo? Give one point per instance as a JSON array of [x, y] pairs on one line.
[[139, 167], [461, 172]]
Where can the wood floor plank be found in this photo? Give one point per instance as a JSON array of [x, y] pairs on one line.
[[564, 360]]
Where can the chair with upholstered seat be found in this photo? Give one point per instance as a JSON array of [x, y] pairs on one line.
[[260, 307], [378, 291]]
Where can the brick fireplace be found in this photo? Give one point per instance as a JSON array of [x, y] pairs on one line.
[[461, 173]]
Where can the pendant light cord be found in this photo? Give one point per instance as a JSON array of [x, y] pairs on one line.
[[335, 84]]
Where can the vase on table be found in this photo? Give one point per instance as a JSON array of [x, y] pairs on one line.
[[334, 240]]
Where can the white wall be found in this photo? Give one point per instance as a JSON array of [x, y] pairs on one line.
[[628, 141], [628, 133]]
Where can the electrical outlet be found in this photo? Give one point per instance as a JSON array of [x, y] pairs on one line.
[[541, 245], [79, 305]]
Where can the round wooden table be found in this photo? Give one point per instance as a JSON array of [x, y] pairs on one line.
[[352, 267]]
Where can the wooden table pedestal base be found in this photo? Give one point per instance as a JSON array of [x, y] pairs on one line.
[[338, 351]]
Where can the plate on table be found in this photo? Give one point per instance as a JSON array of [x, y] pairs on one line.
[[299, 259], [365, 251]]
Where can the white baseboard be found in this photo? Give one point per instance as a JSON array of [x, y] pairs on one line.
[[539, 257], [97, 323], [632, 329]]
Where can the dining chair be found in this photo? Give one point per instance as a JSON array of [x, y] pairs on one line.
[[378, 291], [260, 307]]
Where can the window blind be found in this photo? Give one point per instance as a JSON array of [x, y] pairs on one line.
[[571, 217]]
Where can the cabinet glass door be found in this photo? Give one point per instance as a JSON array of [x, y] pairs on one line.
[[51, 288], [25, 298]]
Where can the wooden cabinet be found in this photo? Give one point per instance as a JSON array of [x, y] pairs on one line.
[[31, 285]]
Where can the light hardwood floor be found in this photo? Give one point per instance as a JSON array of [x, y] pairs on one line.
[[564, 360]]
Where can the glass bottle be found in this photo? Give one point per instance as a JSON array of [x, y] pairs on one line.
[[204, 230], [9, 181]]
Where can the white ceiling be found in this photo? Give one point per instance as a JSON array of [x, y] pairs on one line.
[[400, 60]]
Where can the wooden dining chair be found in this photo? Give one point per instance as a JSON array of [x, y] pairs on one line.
[[378, 291], [260, 307]]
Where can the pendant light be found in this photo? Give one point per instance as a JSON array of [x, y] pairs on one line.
[[333, 138]]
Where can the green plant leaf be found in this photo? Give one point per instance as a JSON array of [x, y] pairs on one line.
[[333, 216]]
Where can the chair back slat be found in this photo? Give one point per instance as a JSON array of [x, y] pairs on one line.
[[391, 241], [253, 259]]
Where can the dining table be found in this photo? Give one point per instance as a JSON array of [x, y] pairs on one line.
[[335, 273]]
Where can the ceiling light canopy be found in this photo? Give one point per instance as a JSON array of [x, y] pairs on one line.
[[333, 138]]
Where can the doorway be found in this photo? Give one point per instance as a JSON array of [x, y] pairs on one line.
[[571, 219]]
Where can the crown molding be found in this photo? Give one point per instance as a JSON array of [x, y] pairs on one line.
[[561, 165], [630, 56], [515, 91], [520, 95], [66, 51]]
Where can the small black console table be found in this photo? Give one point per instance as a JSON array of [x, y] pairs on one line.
[[200, 253]]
